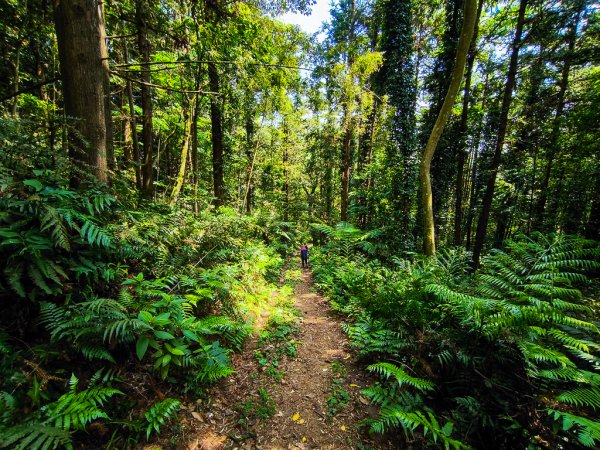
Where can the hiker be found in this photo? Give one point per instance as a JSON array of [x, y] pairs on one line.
[[304, 255]]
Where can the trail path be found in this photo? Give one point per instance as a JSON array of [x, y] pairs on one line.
[[302, 418]]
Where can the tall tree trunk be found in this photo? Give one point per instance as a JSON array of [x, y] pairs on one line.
[[250, 155], [462, 151], [133, 124], [188, 120], [194, 150], [555, 133], [110, 151], [216, 128], [592, 227], [16, 76], [466, 34], [502, 126], [79, 39], [141, 15], [345, 168], [364, 159]]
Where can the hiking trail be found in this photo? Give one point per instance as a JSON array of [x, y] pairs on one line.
[[316, 404]]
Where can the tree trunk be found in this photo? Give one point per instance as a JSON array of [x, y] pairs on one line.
[[462, 152], [188, 120], [364, 160], [110, 151], [216, 128], [141, 16], [502, 126], [194, 150], [79, 36], [555, 133], [457, 73], [250, 155], [133, 124], [16, 77], [345, 169]]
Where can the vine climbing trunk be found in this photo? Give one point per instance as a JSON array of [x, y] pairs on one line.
[[502, 126], [470, 17], [188, 120]]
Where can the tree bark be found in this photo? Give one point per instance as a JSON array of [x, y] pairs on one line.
[[216, 129], [345, 169], [194, 150], [133, 126], [470, 18], [555, 133], [79, 38], [188, 120], [141, 16], [110, 151], [502, 126], [462, 152]]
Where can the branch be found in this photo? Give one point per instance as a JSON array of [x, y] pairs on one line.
[[165, 88], [30, 88], [152, 63]]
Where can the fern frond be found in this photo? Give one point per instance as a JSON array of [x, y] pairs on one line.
[[581, 397], [35, 436], [160, 413], [388, 370], [588, 431], [76, 409]]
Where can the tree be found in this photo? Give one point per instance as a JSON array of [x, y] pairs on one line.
[[502, 127], [398, 81], [470, 17], [141, 18], [79, 33]]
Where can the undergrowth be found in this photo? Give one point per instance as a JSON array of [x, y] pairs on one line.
[[506, 357], [112, 312]]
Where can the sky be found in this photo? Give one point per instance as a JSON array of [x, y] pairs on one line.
[[312, 23]]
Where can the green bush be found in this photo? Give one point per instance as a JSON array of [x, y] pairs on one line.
[[505, 355]]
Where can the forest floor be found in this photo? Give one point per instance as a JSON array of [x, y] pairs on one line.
[[310, 400]]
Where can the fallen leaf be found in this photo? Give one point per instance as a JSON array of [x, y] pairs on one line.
[[354, 385], [363, 400], [295, 417], [197, 416], [304, 439], [343, 428]]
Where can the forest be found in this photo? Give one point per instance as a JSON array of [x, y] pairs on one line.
[[162, 162]]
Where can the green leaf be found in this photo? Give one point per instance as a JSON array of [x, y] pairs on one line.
[[34, 184], [141, 347], [163, 334], [191, 335]]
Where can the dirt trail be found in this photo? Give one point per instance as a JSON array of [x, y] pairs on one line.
[[324, 368]]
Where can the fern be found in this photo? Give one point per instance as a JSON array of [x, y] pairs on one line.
[[388, 370], [581, 397], [35, 436], [77, 409], [159, 414], [393, 416], [588, 431]]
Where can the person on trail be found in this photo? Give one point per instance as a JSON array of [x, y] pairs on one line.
[[304, 255]]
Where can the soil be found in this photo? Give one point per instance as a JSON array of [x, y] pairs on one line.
[[300, 416]]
